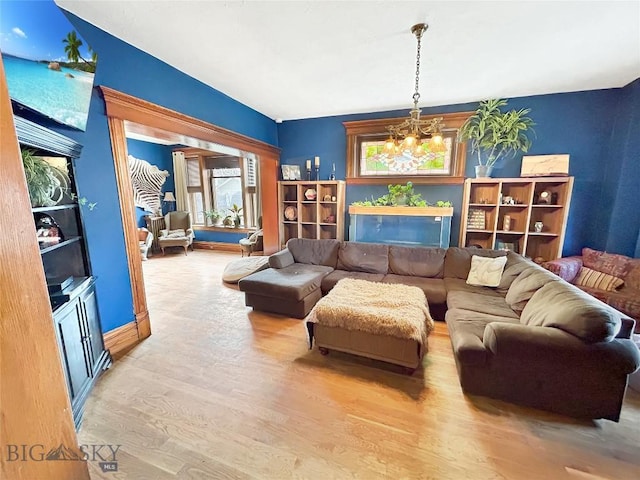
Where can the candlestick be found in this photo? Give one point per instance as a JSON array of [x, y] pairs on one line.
[[333, 172], [308, 164], [317, 162], [317, 172]]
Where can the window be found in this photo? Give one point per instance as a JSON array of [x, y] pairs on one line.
[[366, 164], [223, 183], [194, 189]]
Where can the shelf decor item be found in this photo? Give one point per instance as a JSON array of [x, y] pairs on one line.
[[291, 213], [476, 219], [544, 165], [310, 194], [506, 223], [538, 226], [495, 133]]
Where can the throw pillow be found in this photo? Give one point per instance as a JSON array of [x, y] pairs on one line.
[[602, 281], [609, 263], [486, 272]]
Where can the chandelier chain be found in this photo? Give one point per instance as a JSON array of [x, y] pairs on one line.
[[416, 95]]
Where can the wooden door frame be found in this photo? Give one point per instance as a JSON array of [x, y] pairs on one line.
[[121, 107]]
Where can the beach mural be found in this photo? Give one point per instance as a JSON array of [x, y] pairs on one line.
[[49, 68]]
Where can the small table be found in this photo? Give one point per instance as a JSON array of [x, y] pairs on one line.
[[388, 322]]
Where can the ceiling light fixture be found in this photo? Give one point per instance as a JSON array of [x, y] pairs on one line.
[[409, 136]]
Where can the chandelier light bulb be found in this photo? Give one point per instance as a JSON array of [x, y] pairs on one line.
[[389, 145]]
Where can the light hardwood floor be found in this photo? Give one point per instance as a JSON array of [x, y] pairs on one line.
[[219, 391]]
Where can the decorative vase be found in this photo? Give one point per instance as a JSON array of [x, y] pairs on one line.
[[483, 171]]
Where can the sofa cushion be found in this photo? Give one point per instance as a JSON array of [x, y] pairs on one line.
[[363, 257], [457, 261], [485, 271], [334, 277], [417, 261], [466, 330], [510, 273], [478, 302], [314, 252], [609, 263], [559, 305], [594, 279], [294, 282], [526, 285], [459, 284], [433, 288]]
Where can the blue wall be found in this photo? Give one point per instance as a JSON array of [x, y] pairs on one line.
[[574, 123], [160, 156], [622, 166], [129, 70]]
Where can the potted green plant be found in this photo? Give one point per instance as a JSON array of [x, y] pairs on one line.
[[213, 216], [235, 215], [496, 134], [44, 180]]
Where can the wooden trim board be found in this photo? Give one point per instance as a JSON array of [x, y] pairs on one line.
[[121, 339], [129, 223]]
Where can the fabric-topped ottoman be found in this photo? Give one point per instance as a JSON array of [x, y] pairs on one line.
[[382, 321]]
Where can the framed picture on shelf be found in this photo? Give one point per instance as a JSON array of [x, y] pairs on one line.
[[290, 172], [502, 245], [476, 219]]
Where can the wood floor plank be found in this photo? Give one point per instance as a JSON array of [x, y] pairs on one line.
[[220, 391]]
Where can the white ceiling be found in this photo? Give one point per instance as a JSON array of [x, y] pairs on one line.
[[305, 59]]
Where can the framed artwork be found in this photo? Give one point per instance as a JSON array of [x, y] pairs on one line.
[[290, 172], [367, 163], [476, 219], [502, 245]]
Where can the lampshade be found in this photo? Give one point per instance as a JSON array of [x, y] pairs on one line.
[[168, 197]]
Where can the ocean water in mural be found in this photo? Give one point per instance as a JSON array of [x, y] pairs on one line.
[[63, 95], [48, 66]]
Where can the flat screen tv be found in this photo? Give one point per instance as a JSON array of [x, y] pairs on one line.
[[48, 66]]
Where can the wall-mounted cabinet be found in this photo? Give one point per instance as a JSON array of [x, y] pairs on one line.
[[527, 215], [311, 209]]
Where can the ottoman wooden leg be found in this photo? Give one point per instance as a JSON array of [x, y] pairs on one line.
[[323, 351]]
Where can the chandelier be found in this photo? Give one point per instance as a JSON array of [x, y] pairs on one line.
[[409, 136]]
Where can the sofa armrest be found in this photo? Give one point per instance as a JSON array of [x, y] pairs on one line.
[[566, 268], [189, 232], [530, 346], [281, 259], [164, 232]]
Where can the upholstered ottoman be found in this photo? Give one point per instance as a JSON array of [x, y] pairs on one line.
[[381, 321], [291, 291]]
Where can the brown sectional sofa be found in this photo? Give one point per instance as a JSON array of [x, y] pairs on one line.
[[534, 340]]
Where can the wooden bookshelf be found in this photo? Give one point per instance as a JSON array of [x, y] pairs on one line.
[[522, 201], [303, 216]]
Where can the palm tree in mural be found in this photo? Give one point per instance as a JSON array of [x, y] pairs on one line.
[[72, 49]]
